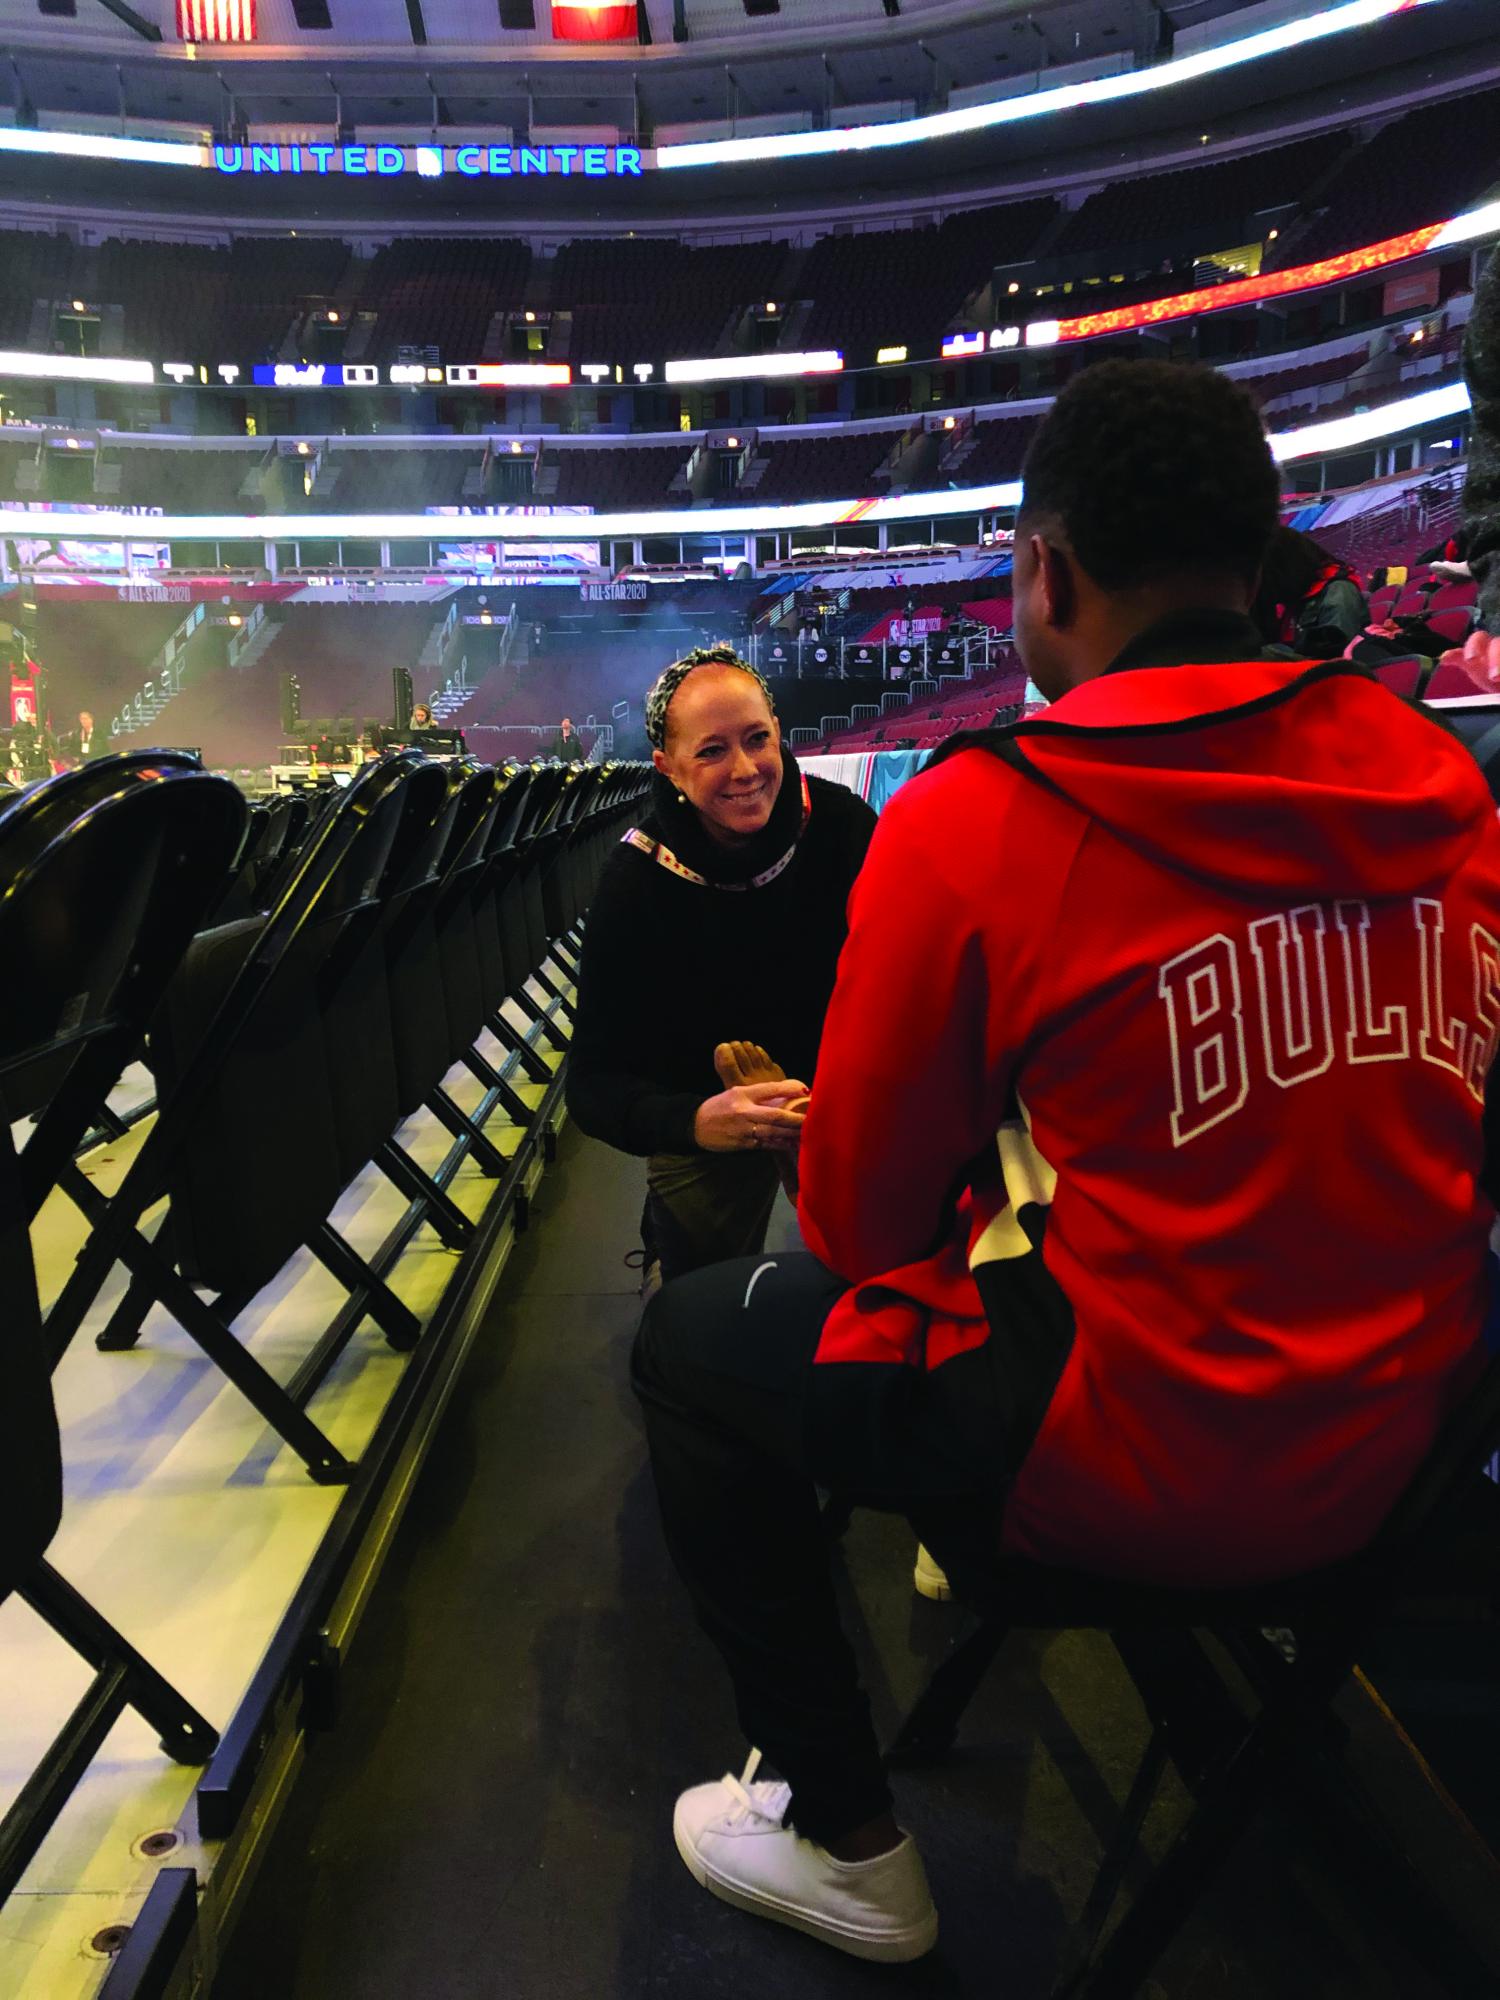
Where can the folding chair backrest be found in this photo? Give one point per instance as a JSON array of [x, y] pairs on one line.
[[514, 805], [246, 1139], [413, 956], [30, 1461], [104, 875], [458, 909], [354, 998]]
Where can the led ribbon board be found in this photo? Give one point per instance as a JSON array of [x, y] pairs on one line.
[[972, 118], [1311, 440], [1469, 228], [1238, 291]]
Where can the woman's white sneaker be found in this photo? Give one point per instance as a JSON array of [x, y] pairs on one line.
[[732, 1838]]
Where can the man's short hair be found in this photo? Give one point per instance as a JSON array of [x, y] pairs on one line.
[[1154, 469]]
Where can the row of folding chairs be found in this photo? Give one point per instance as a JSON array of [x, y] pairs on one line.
[[339, 959], [422, 898]]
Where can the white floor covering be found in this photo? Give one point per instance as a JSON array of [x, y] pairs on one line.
[[190, 1526]]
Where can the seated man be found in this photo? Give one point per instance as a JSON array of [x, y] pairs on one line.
[[1143, 1166]]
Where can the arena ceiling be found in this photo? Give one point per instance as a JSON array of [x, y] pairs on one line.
[[415, 62], [118, 67]]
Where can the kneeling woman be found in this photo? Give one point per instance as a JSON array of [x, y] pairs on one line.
[[719, 918]]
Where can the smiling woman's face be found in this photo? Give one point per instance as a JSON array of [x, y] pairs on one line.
[[723, 751]]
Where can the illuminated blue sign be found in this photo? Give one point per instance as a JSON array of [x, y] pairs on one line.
[[316, 375], [430, 162]]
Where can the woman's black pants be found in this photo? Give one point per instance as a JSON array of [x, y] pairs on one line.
[[734, 1414]]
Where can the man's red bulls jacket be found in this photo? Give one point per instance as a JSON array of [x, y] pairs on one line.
[[1148, 1122]]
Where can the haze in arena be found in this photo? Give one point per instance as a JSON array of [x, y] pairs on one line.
[[749, 976]]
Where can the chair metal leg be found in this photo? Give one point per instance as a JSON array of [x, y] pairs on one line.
[[516, 1109], [931, 1728], [485, 1153], [454, 1229], [553, 992], [396, 1321], [184, 1733], [1224, 1807], [530, 1059], [1115, 1863], [545, 1024], [206, 1325], [123, 1329], [111, 1226]]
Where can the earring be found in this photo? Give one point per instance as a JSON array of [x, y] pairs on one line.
[[682, 798]]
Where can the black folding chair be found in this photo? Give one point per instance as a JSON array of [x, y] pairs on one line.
[[529, 940], [468, 948], [31, 1497], [355, 1009], [1436, 1561], [105, 873], [501, 923], [238, 1037]]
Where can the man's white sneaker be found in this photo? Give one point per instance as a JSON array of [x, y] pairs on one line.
[[732, 1839], [929, 1579]]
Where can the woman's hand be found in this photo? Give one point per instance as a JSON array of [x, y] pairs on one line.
[[1479, 656], [751, 1115]]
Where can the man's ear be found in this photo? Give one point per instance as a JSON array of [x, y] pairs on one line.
[[1058, 583]]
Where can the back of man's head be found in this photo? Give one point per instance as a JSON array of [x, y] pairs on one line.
[[1149, 487], [1154, 469]]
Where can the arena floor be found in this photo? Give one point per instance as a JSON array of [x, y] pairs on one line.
[[528, 1693]]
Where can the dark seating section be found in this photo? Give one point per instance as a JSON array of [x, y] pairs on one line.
[[634, 298], [1217, 201], [201, 302], [1295, 390], [617, 476], [993, 451], [37, 265], [408, 480], [926, 719], [442, 293], [1423, 167], [891, 285], [192, 480], [837, 467]]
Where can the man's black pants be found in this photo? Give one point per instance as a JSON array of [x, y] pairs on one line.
[[734, 1416]]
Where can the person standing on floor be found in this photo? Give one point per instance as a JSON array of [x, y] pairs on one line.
[[720, 916]]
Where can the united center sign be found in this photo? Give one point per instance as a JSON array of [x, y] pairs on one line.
[[431, 162]]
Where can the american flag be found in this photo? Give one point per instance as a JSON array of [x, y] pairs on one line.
[[216, 20]]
